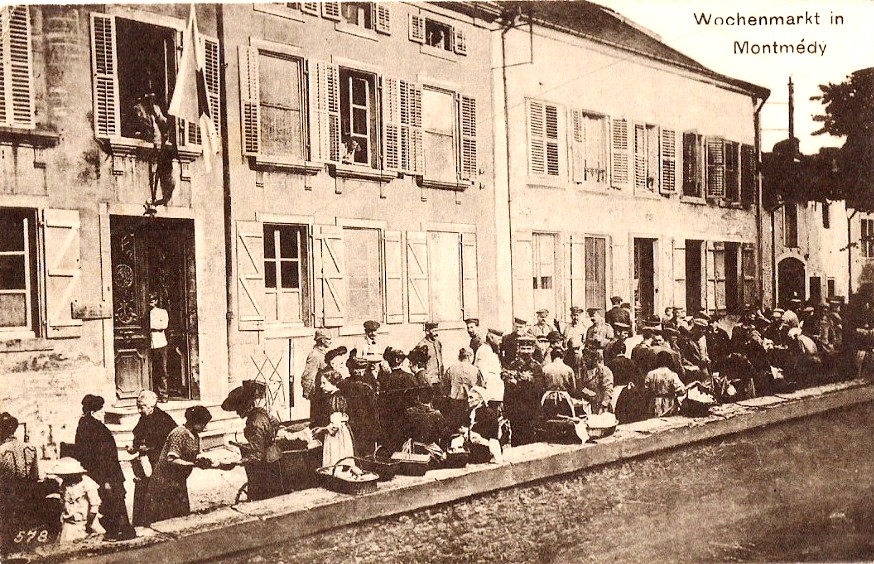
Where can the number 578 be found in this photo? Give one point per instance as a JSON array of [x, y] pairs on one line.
[[40, 535]]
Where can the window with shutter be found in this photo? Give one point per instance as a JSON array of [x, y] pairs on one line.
[[469, 276], [596, 272], [286, 274], [192, 132], [678, 265], [391, 123], [311, 8], [104, 65], [16, 68], [748, 270], [543, 276], [445, 276], [418, 299], [640, 157], [282, 131], [358, 116], [469, 170], [576, 270], [523, 274], [543, 129], [331, 11], [747, 175], [63, 271], [416, 28], [250, 275], [590, 150], [732, 171], [440, 121], [329, 268], [619, 153], [383, 19], [250, 105], [715, 168], [362, 250], [394, 276], [459, 41], [17, 271], [669, 162], [324, 112], [693, 171]]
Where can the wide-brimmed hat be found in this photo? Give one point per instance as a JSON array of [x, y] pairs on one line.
[[619, 326], [236, 400], [67, 466], [334, 353]]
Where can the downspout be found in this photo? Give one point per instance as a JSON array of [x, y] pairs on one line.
[[507, 27], [757, 126], [226, 189], [850, 217]]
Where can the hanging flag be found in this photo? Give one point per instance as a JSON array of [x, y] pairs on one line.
[[190, 100]]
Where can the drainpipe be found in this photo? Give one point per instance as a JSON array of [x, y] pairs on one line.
[[850, 217], [507, 27], [757, 126], [226, 189]]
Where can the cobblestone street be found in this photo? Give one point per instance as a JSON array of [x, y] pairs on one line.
[[735, 499]]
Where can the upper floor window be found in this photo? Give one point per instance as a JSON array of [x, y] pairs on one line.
[[438, 35], [17, 270], [790, 225], [544, 141], [16, 68], [359, 14], [867, 240], [282, 127], [590, 148], [646, 157], [358, 117]]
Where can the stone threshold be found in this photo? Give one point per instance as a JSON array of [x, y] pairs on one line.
[[250, 525]]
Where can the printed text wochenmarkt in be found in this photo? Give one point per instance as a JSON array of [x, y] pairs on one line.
[[799, 47]]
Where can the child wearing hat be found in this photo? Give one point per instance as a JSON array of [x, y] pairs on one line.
[[81, 499]]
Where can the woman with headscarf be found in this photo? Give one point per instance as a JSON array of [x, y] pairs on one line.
[[168, 489], [484, 429], [150, 434], [98, 453], [18, 470]]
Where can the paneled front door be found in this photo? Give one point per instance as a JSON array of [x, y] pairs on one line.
[[152, 255]]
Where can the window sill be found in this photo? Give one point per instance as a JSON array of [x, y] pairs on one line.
[[30, 137], [647, 195], [695, 200], [438, 52], [554, 182], [126, 146], [593, 188], [23, 342], [343, 27], [457, 186], [361, 172], [287, 331], [264, 162]]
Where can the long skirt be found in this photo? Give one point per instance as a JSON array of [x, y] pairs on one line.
[[167, 497], [337, 447], [141, 489], [265, 480], [113, 509]]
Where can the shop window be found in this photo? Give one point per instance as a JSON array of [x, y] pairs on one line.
[[17, 270], [286, 280]]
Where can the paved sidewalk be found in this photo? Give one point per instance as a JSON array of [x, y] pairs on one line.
[[220, 531]]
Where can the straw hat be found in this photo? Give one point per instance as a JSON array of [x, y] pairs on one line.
[[67, 466]]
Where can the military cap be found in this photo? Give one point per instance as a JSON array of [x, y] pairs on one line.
[[554, 337], [519, 321], [429, 325]]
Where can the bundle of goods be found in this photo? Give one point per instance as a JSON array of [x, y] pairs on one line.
[[698, 402], [346, 477], [560, 422]]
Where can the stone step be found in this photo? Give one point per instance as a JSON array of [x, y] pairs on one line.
[[222, 428]]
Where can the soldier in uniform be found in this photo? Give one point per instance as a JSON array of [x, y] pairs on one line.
[[617, 313], [523, 387], [509, 343], [575, 331], [542, 327], [599, 333], [474, 332]]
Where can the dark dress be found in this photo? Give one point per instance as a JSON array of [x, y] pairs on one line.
[[97, 451], [168, 489], [523, 388], [262, 459], [320, 401], [632, 403], [398, 392], [150, 434], [363, 412], [624, 370]]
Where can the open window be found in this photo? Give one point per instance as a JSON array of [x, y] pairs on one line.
[[281, 100], [358, 118], [358, 14]]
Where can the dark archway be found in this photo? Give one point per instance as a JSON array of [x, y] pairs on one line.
[[790, 280]]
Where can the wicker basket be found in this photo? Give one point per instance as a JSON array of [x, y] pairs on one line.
[[601, 432], [298, 467], [411, 463], [366, 483], [384, 468]]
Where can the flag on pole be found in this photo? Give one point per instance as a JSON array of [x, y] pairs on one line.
[[190, 99]]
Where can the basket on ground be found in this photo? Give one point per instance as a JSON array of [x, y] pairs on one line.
[[347, 477]]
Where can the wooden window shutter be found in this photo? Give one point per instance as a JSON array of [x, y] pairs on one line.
[[468, 169], [523, 273], [678, 266], [640, 157], [668, 183], [619, 153], [748, 273], [715, 167], [16, 74], [747, 175], [418, 298], [324, 91], [394, 276], [553, 162], [383, 18], [578, 147], [576, 264], [717, 249], [311, 8], [250, 103], [330, 274], [691, 164], [63, 271], [413, 150], [250, 275], [331, 11], [536, 137], [469, 276], [459, 41], [710, 275], [391, 123], [104, 66], [417, 28], [212, 63]]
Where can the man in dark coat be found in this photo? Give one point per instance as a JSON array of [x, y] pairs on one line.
[[97, 452], [523, 387], [150, 434], [361, 407], [509, 342], [617, 314]]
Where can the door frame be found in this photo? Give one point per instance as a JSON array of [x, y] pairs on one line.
[[656, 267]]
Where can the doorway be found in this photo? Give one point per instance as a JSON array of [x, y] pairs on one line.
[[815, 289], [790, 280], [693, 276], [152, 255], [732, 270], [644, 276]]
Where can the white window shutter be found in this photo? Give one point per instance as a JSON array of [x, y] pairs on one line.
[[331, 11], [383, 18], [459, 41], [104, 66], [619, 154], [412, 134], [578, 147], [250, 275], [250, 103], [576, 270], [678, 265], [417, 28], [418, 297], [536, 137], [468, 169], [391, 123], [640, 157], [16, 74], [719, 269], [469, 276], [748, 272], [394, 276], [212, 62], [715, 167], [324, 91], [330, 271], [523, 274], [5, 112], [311, 8], [668, 183], [63, 271]]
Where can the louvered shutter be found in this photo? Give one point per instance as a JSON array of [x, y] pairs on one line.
[[417, 28], [536, 140], [324, 91], [715, 168], [678, 267], [331, 11], [330, 274], [394, 277], [523, 274], [250, 103], [469, 276], [459, 41], [211, 70], [747, 175], [692, 160], [412, 134], [640, 154], [619, 153], [311, 8], [63, 271], [16, 74], [250, 275], [748, 273], [576, 268], [578, 147], [668, 183], [718, 250], [104, 66], [383, 18], [418, 298], [469, 170], [391, 123]]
